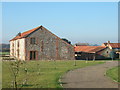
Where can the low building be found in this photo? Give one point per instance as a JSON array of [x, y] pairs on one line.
[[114, 47], [40, 44], [92, 52]]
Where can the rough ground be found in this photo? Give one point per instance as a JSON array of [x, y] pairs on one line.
[[90, 77]]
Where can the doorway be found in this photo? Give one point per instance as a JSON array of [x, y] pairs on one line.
[[33, 55]]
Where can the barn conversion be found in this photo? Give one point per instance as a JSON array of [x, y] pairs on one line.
[[40, 44]]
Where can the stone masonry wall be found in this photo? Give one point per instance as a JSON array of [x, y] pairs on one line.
[[49, 46]]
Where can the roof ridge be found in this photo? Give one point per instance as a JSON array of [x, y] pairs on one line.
[[89, 46], [25, 34]]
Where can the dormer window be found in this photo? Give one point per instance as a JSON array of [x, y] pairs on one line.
[[32, 40]]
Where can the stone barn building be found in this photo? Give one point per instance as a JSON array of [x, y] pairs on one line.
[[40, 44]]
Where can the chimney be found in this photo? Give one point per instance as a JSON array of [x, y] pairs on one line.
[[19, 34], [108, 41]]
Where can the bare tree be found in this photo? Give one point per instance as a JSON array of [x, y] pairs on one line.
[[14, 66]]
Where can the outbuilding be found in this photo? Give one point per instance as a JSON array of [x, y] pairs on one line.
[[92, 52]]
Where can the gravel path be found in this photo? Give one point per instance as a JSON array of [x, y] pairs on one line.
[[90, 77]]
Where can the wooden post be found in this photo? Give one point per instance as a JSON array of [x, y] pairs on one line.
[[94, 57], [74, 62], [119, 55], [86, 58]]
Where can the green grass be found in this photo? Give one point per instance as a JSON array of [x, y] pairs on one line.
[[4, 53], [113, 73], [50, 72], [0, 74]]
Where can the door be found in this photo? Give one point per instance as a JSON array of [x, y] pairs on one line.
[[32, 55]]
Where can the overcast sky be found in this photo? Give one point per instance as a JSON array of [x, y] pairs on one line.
[[87, 22]]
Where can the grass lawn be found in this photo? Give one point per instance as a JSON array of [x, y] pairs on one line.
[[0, 74], [41, 74], [4, 53], [113, 73]]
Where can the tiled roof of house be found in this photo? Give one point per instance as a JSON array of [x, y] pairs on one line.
[[89, 49], [24, 34], [115, 45]]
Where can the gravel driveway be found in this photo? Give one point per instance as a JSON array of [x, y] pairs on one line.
[[90, 77]]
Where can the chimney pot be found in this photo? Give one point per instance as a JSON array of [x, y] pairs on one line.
[[108, 41]]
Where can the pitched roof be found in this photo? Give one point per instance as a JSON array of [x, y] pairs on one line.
[[115, 45], [24, 34], [89, 49]]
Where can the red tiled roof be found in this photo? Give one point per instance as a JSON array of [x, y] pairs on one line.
[[25, 33], [115, 45], [89, 49]]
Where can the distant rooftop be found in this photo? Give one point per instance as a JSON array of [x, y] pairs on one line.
[[89, 49]]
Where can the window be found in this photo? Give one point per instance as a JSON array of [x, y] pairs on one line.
[[32, 55], [13, 49], [18, 52], [32, 40], [13, 45], [13, 52], [18, 43]]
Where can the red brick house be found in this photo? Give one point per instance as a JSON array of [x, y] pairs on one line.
[[40, 44]]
